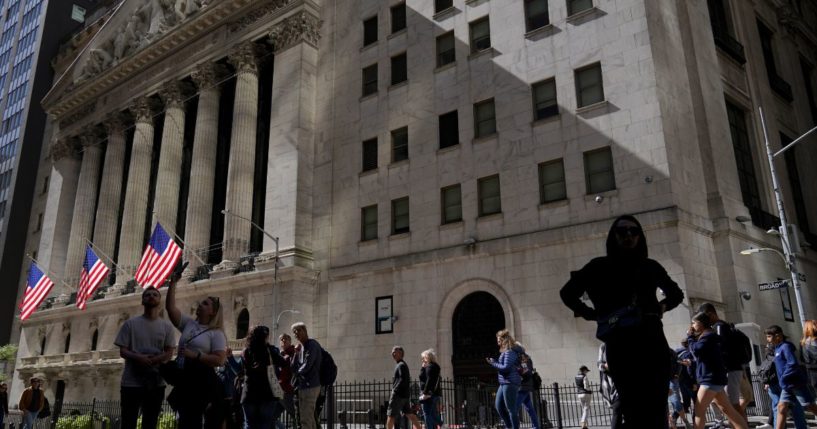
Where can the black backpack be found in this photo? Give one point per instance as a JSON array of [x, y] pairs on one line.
[[738, 346], [579, 380], [46, 411], [329, 371], [537, 380]]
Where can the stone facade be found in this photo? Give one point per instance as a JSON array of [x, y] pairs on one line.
[[662, 116]]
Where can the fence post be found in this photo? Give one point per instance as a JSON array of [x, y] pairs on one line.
[[330, 407], [93, 407], [558, 406], [370, 413]]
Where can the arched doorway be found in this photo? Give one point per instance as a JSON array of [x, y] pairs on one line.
[[477, 318]]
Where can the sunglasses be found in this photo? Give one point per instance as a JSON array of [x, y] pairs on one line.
[[628, 230]]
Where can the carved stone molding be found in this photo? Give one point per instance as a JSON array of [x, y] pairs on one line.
[[41, 332], [122, 318], [115, 122], [239, 302], [245, 57], [93, 324], [208, 75], [301, 27], [258, 14], [142, 109], [63, 148], [174, 93], [91, 136], [66, 327], [77, 116]]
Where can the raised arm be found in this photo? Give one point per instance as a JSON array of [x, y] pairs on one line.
[[173, 312], [673, 294], [572, 292]]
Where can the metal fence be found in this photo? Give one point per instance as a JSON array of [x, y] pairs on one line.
[[465, 404]]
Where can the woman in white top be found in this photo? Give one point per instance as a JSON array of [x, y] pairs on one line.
[[202, 348]]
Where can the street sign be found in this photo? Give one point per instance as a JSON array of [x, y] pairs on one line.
[[801, 277], [777, 284]]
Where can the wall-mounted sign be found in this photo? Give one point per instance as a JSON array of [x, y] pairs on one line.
[[777, 284], [384, 315], [785, 300]]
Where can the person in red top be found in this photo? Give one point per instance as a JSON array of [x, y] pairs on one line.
[[284, 374]]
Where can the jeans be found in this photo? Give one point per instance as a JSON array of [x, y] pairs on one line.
[[307, 398], [258, 414], [28, 420], [149, 400], [507, 406], [431, 414], [525, 399], [797, 412]]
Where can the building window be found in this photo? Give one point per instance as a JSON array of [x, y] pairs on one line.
[[370, 31], [45, 185], [778, 85], [552, 181], [369, 154], [484, 118], [576, 6], [400, 216], [536, 14], [446, 52], [441, 5], [490, 201], [544, 99], [399, 144], [398, 17], [39, 225], [449, 132], [399, 69], [67, 344], [598, 170], [94, 340], [451, 202], [722, 30], [795, 185], [808, 78], [42, 346], [589, 87], [242, 324], [370, 80], [480, 35], [368, 223], [744, 159]]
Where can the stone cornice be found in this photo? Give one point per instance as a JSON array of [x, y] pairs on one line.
[[258, 14], [301, 27]]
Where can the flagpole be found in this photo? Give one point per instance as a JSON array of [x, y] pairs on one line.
[[167, 228], [97, 250], [47, 271]]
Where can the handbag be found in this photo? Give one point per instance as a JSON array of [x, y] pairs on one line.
[[617, 322], [277, 390]]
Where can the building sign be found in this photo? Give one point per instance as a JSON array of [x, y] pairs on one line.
[[78, 13], [777, 284], [385, 315]]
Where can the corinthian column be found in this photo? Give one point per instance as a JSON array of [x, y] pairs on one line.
[[203, 164], [110, 192], [168, 178], [242, 155], [132, 235], [82, 225]]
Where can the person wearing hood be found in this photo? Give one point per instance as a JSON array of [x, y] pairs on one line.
[[527, 387], [622, 287], [509, 379]]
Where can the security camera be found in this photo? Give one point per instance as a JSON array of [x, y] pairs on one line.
[[746, 295], [599, 199], [470, 241]]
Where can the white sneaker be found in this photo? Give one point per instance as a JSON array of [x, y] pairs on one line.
[[763, 426]]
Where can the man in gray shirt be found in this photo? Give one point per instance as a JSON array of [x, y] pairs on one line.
[[306, 367], [144, 342]]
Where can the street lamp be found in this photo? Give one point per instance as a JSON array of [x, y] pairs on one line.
[[788, 254], [278, 319], [751, 251]]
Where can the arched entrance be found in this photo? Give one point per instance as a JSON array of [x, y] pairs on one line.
[[477, 318]]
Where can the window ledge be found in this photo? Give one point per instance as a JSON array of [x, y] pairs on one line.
[[367, 173], [578, 16], [490, 137], [551, 118], [369, 242], [592, 197], [485, 52], [368, 97], [555, 203], [445, 67], [451, 225], [400, 235], [398, 85], [401, 163], [397, 33], [473, 2], [490, 217], [595, 106], [447, 149], [367, 47], [445, 13], [541, 31]]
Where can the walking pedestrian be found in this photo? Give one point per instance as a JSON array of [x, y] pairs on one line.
[[622, 287], [284, 374], [229, 375], [430, 389], [400, 398], [509, 379], [608, 390], [306, 368], [202, 349], [257, 398], [710, 373], [145, 342], [809, 346], [4, 403], [31, 403], [585, 394], [686, 376], [791, 376], [527, 388], [768, 376]]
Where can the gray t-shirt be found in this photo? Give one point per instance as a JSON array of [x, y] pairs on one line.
[[196, 339], [146, 336]]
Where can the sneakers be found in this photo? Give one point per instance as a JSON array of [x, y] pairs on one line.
[[763, 426]]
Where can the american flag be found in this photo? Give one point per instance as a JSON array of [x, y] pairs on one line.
[[93, 272], [159, 259], [37, 288]]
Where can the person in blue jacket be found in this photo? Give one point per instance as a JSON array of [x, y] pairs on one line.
[[710, 372], [790, 374], [509, 379]]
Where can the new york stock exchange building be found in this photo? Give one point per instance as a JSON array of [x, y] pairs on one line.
[[421, 173]]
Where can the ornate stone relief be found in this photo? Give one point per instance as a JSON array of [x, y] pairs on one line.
[[240, 301], [78, 115], [302, 26], [142, 109], [115, 122], [208, 75], [245, 57], [258, 14], [63, 148], [174, 93]]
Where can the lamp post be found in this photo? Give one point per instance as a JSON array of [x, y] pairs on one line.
[[788, 254], [278, 319]]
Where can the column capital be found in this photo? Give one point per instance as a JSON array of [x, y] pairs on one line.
[[143, 109], [174, 93], [115, 122], [244, 57], [63, 148], [301, 27], [208, 75], [91, 136]]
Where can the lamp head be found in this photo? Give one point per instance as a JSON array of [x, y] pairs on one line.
[[749, 251]]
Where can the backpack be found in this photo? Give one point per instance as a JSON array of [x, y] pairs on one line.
[[767, 372], [46, 411], [537, 380], [579, 380], [738, 347], [329, 371]]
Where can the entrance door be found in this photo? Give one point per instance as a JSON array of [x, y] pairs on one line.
[[476, 321]]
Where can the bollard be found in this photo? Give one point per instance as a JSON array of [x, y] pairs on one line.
[[558, 406], [370, 413], [342, 418]]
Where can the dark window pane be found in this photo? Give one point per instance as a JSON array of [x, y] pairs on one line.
[[399, 69], [449, 130], [743, 156], [490, 201], [400, 215], [576, 6], [589, 88], [370, 31], [441, 5], [552, 181], [399, 144], [445, 49], [544, 99], [598, 171], [480, 35], [398, 17], [451, 202], [536, 14], [795, 185], [369, 154], [370, 80], [368, 223], [484, 118]]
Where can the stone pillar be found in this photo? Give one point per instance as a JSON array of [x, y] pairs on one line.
[[168, 180], [132, 235], [288, 208], [242, 155], [110, 191], [203, 164], [84, 205]]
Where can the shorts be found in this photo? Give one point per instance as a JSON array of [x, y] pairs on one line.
[[713, 387], [802, 394], [733, 389], [398, 405], [746, 392]]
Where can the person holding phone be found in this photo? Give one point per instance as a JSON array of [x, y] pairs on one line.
[[509, 379]]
